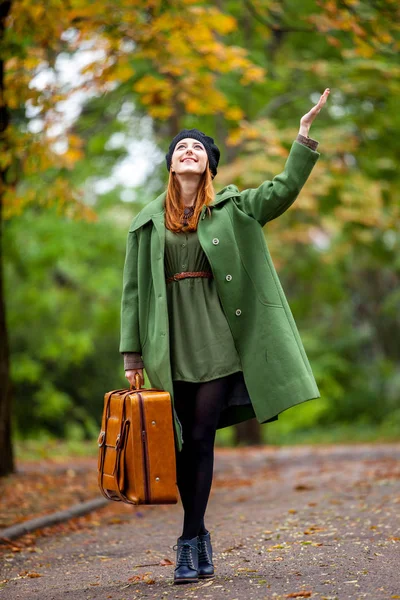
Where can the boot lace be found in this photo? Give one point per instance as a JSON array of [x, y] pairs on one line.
[[203, 551], [185, 557]]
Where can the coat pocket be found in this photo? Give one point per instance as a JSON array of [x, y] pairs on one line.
[[264, 284]]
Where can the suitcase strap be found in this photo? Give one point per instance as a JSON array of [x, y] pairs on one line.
[[119, 447]]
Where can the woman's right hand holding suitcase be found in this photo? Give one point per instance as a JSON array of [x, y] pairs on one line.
[[130, 375]]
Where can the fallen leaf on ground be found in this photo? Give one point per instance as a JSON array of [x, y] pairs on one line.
[[207, 584], [313, 529], [140, 577]]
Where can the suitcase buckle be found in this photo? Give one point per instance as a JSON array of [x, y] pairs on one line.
[[101, 439], [121, 436]]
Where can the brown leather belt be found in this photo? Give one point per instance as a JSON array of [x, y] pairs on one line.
[[185, 274]]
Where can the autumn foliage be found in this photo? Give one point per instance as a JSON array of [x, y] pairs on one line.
[[245, 73]]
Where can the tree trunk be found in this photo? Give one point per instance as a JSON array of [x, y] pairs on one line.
[[6, 451], [248, 433]]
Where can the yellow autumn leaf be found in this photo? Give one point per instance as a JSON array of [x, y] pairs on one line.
[[384, 37], [121, 72], [160, 112], [253, 74], [363, 49], [71, 156], [234, 113], [234, 138]]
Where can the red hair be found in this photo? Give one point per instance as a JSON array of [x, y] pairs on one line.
[[174, 208]]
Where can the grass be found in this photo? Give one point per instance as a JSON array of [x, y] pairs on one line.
[[275, 434], [54, 449], [332, 434]]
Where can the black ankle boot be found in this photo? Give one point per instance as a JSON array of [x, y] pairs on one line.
[[206, 567], [187, 561]]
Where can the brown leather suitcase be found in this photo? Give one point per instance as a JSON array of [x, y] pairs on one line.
[[136, 460]]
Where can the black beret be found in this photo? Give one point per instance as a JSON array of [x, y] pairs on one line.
[[212, 150]]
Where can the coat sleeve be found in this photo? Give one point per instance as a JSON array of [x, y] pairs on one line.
[[272, 198], [129, 338], [133, 360]]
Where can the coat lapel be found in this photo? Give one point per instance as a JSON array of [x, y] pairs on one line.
[[158, 220]]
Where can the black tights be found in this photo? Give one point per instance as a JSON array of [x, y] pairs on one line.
[[198, 406]]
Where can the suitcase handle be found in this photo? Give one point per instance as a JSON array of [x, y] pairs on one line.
[[136, 386]]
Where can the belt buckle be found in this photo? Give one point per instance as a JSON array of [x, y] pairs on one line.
[[175, 277]]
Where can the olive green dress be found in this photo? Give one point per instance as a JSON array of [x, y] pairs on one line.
[[201, 344]]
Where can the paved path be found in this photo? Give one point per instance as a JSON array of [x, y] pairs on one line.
[[322, 522]]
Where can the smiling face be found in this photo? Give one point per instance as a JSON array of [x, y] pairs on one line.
[[189, 158]]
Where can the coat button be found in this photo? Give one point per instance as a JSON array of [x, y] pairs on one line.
[[215, 241], [228, 277], [238, 312]]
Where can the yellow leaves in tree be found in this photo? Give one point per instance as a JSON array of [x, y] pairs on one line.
[[363, 49], [167, 22], [242, 134], [57, 193], [237, 58], [177, 55], [36, 157], [195, 106], [263, 131], [5, 159], [74, 151], [212, 18], [161, 112], [149, 84], [384, 37], [203, 98], [184, 47], [121, 71], [361, 201], [252, 74], [234, 113], [235, 136], [156, 94], [14, 203], [370, 29]]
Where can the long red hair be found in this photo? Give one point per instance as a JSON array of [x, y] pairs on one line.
[[174, 207]]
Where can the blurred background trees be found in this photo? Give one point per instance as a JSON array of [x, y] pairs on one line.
[[92, 94]]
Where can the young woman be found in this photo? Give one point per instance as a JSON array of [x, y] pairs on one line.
[[204, 312]]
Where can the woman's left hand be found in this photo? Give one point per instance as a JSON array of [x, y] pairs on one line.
[[306, 121]]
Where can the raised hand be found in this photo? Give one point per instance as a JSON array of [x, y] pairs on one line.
[[308, 118]]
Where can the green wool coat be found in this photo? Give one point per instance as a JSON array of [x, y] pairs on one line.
[[275, 367]]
